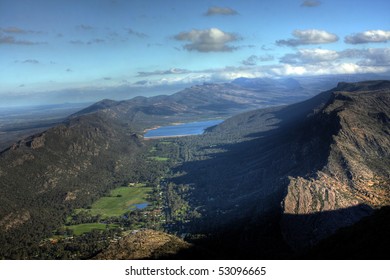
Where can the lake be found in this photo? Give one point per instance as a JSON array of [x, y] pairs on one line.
[[192, 128], [139, 206]]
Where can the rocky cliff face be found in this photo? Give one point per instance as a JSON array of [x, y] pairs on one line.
[[356, 176]]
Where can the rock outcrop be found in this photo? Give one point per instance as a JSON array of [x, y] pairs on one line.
[[144, 244]]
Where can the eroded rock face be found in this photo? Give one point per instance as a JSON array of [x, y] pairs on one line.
[[356, 177], [144, 244]]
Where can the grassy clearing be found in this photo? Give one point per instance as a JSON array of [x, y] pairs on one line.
[[120, 201], [137, 185], [83, 228]]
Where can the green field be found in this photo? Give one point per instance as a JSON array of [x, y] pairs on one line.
[[83, 228], [120, 201]]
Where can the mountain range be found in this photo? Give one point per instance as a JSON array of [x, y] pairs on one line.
[[277, 182], [221, 100]]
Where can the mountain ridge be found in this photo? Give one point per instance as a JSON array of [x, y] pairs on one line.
[[353, 174], [292, 154]]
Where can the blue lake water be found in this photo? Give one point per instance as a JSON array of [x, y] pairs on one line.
[[192, 128], [141, 205]]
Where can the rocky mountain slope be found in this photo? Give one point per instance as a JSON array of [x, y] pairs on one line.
[[356, 175], [305, 170]]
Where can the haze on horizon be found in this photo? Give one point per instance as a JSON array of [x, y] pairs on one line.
[[57, 51]]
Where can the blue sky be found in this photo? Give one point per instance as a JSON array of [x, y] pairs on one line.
[[52, 51]]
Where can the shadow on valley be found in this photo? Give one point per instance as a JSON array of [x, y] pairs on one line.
[[240, 171], [261, 238]]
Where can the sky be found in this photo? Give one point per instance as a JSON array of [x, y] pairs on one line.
[[54, 51]]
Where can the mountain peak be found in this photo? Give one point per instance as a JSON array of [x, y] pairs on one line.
[[100, 105]]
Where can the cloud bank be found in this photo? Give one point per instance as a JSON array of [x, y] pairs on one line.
[[371, 36], [163, 72], [373, 57], [309, 37], [302, 62], [307, 56]]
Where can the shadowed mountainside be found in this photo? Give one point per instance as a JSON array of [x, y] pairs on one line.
[[367, 239], [326, 154], [357, 168]]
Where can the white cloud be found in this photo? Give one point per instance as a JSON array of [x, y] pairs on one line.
[[316, 62], [201, 76], [326, 69], [307, 56], [349, 68], [289, 70], [302, 62], [309, 37], [371, 36], [322, 58], [208, 40], [175, 80], [375, 57], [220, 11]]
